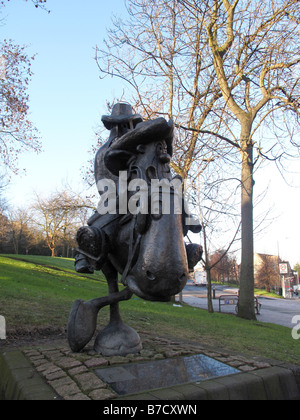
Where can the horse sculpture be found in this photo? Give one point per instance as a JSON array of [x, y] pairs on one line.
[[144, 244]]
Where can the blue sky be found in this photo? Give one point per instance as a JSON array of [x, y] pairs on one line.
[[67, 99]]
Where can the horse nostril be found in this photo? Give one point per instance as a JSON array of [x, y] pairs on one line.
[[150, 275]]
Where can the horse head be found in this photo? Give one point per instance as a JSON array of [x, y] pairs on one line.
[[149, 249]]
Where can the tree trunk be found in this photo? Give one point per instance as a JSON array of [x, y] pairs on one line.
[[208, 273], [246, 296], [209, 296]]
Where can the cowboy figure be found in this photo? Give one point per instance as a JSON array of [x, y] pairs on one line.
[[129, 135], [120, 122]]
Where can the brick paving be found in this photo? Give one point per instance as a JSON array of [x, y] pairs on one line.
[[72, 377]]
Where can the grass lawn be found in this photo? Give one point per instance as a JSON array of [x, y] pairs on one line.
[[39, 291]]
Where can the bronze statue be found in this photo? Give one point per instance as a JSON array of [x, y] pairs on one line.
[[131, 234]]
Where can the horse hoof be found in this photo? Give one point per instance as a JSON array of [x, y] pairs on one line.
[[117, 339], [81, 324]]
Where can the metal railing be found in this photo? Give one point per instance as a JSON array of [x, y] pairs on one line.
[[234, 300]]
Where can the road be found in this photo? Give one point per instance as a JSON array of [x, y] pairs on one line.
[[276, 311]]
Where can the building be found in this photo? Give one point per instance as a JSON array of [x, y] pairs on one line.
[[273, 274], [266, 271]]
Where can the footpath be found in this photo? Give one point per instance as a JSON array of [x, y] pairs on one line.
[[44, 371]]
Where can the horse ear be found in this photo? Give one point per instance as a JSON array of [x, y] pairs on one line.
[[117, 160]]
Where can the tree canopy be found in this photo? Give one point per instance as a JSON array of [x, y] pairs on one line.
[[17, 133]]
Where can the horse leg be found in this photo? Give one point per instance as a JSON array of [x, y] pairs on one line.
[[111, 275], [83, 315], [116, 338], [83, 318]]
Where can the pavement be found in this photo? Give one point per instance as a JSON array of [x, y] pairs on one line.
[[285, 312]]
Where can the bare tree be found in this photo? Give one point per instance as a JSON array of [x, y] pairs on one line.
[[3, 200], [59, 217], [225, 266], [161, 56], [17, 133], [4, 223], [226, 72], [212, 261], [213, 197], [40, 3], [257, 69], [19, 228], [37, 3], [267, 273]]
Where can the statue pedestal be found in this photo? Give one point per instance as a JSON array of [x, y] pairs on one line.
[[117, 339]]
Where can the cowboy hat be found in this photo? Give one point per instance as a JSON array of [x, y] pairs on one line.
[[144, 133], [124, 147], [121, 113]]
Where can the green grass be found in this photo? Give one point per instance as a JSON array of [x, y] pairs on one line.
[[35, 293], [265, 293], [258, 292], [39, 291]]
